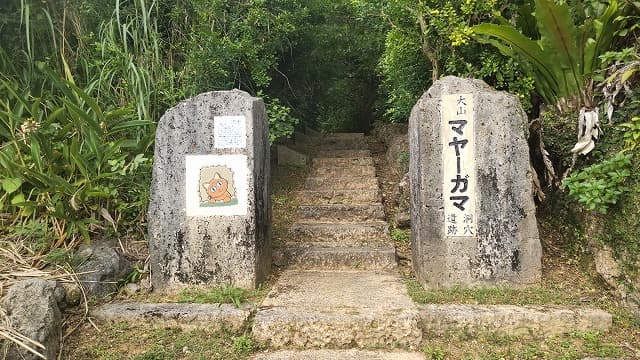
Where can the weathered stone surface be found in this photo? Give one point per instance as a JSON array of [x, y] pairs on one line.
[[341, 183], [32, 310], [332, 171], [385, 131], [343, 136], [311, 132], [338, 309], [398, 153], [342, 162], [287, 156], [341, 213], [347, 153], [343, 233], [380, 257], [185, 316], [339, 355], [505, 247], [364, 196], [326, 146], [512, 320], [101, 269], [215, 249]]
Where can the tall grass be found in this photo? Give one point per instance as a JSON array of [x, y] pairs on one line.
[[75, 151]]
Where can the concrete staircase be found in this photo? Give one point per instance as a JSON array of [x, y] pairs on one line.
[[340, 224], [340, 289]]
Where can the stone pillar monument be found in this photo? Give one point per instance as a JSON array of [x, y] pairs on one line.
[[472, 212], [210, 211]]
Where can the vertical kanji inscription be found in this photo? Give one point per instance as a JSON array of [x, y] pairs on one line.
[[458, 146]]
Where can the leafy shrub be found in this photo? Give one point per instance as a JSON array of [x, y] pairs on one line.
[[599, 186]]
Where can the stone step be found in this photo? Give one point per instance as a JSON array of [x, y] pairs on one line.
[[340, 153], [341, 233], [185, 316], [337, 258], [340, 212], [333, 145], [541, 320], [352, 354], [315, 197], [332, 171], [338, 309], [344, 161], [343, 136], [341, 183]]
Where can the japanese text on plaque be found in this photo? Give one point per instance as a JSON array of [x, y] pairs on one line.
[[458, 143]]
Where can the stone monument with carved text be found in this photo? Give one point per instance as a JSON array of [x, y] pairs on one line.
[[210, 211], [472, 211]]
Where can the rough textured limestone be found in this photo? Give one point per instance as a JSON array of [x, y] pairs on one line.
[[341, 183], [381, 256], [339, 309], [512, 320], [339, 355], [317, 197], [185, 316], [506, 248], [32, 309], [341, 213], [362, 171], [101, 269], [344, 233], [342, 161], [209, 250], [287, 156]]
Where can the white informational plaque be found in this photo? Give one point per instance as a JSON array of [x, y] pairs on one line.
[[230, 132]]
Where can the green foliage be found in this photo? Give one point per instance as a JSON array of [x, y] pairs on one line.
[[434, 353], [327, 74], [599, 186], [632, 133], [243, 345], [281, 122], [233, 44], [429, 39], [55, 157], [223, 295], [399, 236], [566, 56]]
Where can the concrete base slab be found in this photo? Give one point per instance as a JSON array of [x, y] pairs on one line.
[[338, 355], [185, 316], [338, 309]]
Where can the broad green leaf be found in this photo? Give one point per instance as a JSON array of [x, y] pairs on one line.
[[528, 49], [626, 75], [605, 27], [11, 185], [36, 156], [558, 36], [18, 199]]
